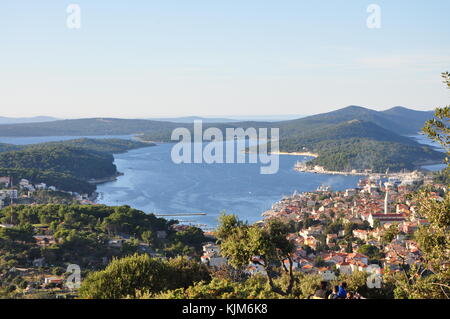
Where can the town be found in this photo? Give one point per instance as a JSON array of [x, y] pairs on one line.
[[367, 229], [25, 192]]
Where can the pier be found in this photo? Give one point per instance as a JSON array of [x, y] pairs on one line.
[[180, 214]]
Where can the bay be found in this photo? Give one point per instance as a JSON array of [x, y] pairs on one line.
[[154, 184]]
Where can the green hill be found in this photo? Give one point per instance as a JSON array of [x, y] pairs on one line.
[[378, 156], [86, 127], [344, 130], [107, 145], [68, 165], [360, 145], [399, 120], [376, 134], [74, 161]]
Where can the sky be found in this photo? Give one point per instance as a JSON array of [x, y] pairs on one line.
[[148, 58]]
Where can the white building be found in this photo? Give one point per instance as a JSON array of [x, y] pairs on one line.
[[211, 256]]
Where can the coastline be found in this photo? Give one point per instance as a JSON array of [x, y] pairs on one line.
[[286, 153], [140, 139], [97, 181], [305, 169], [297, 154]]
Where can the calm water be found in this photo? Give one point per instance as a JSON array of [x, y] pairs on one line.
[[153, 183], [425, 140], [45, 139]]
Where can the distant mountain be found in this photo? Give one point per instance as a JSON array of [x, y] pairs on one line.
[[353, 137], [17, 120], [399, 119], [359, 138], [87, 127], [409, 121], [360, 145], [349, 129], [191, 119]]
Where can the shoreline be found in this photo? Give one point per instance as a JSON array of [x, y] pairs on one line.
[[140, 139], [310, 154], [325, 172], [98, 181], [314, 155]]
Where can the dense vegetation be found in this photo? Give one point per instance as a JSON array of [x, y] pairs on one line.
[[348, 154], [82, 235], [107, 145], [86, 127], [361, 145], [336, 135], [62, 181], [139, 273], [73, 161], [403, 120], [66, 165]]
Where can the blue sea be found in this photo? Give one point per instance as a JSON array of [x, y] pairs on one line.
[[154, 184]]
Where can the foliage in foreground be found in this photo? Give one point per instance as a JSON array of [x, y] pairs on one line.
[[123, 277]]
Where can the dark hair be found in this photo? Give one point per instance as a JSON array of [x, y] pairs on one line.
[[336, 288], [323, 285], [344, 284]]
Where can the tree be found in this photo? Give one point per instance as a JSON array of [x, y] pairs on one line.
[[370, 251], [254, 288], [438, 129], [241, 243], [123, 277], [431, 279], [148, 236], [22, 234]]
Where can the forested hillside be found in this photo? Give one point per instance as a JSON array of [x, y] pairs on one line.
[[360, 145], [67, 165], [350, 138], [81, 163]]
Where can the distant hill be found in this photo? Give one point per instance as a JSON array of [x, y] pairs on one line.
[[36, 119], [345, 130], [399, 120], [86, 127], [353, 137], [357, 144], [408, 121], [107, 145], [231, 119], [68, 165], [75, 161], [191, 119]]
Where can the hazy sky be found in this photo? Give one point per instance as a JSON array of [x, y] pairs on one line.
[[220, 57]]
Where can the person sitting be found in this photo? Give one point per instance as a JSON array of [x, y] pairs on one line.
[[334, 293], [322, 292], [350, 295], [342, 293]]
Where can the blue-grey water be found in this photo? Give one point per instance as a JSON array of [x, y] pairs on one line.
[[45, 139], [154, 184], [425, 140]]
